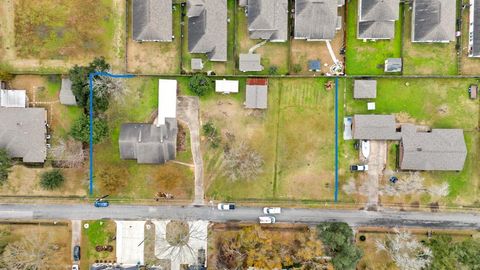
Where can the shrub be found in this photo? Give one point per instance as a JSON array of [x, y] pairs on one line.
[[200, 84], [273, 70], [52, 180], [211, 133], [80, 130], [5, 165]]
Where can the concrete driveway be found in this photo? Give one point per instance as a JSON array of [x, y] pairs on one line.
[[376, 164], [188, 112]]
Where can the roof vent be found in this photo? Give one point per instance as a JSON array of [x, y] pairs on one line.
[[419, 149]]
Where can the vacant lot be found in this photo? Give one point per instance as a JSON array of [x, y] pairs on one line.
[[52, 241], [427, 58], [98, 233], [469, 65], [137, 181], [51, 36], [294, 137], [275, 55], [262, 247], [449, 107], [368, 57], [155, 57]]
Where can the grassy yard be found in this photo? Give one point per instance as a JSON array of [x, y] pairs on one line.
[[98, 233], [294, 137], [155, 57], [139, 181], [368, 57], [274, 54], [427, 58], [449, 107]]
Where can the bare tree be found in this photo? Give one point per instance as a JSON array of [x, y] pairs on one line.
[[29, 253], [242, 162], [406, 251], [110, 87], [413, 183], [441, 190], [68, 154], [350, 187]]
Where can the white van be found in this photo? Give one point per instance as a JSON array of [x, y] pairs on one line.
[[272, 210], [266, 220]]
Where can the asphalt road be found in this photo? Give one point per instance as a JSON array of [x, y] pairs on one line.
[[445, 220]]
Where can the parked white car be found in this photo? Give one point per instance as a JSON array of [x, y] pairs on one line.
[[266, 220], [272, 210], [226, 206]]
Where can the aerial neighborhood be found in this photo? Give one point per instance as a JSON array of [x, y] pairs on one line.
[[239, 134]]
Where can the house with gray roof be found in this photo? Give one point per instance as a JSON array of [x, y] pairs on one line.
[[316, 19], [437, 150], [257, 94], [250, 62], [66, 93], [268, 19], [23, 133], [207, 28], [474, 29], [152, 20], [375, 127], [365, 89], [433, 20], [376, 18]]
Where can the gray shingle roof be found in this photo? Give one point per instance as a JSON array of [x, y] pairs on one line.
[[393, 65], [152, 20], [256, 97], [250, 62], [375, 127], [147, 143], [440, 149], [66, 94], [365, 89], [207, 28], [268, 19], [376, 19], [316, 19], [433, 20], [379, 10], [22, 133], [475, 38]]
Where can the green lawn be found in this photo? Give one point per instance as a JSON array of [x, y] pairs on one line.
[[294, 137], [140, 181], [98, 233], [427, 58], [412, 100], [368, 58]]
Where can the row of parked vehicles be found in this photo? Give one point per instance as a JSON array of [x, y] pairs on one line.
[[268, 211]]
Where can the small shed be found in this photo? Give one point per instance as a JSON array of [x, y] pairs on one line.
[[393, 65], [197, 64], [257, 94], [66, 94], [473, 91], [226, 86], [250, 62], [365, 89], [314, 65]]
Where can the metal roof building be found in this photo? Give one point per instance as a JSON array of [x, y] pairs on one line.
[[207, 28], [365, 89], [433, 20], [438, 150], [226, 86], [13, 98], [23, 133], [474, 29], [268, 19], [393, 65], [257, 94], [152, 20]]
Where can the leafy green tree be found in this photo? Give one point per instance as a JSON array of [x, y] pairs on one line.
[[5, 165], [468, 253], [79, 75], [52, 180], [200, 84], [80, 130], [338, 240], [211, 132], [444, 256]]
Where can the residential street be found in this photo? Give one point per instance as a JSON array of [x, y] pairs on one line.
[[247, 214]]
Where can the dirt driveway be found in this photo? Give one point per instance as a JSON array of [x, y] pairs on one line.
[[376, 164]]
